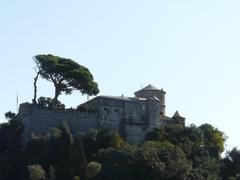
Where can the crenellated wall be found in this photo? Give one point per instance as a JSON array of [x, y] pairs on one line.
[[41, 120]]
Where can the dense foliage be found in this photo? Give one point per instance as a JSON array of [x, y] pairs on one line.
[[169, 153], [47, 102], [65, 74]]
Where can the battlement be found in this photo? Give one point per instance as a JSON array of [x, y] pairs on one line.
[[26, 108], [40, 120]]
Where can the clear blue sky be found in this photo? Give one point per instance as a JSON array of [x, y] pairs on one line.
[[190, 48]]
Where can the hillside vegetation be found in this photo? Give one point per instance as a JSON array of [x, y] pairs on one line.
[[169, 153]]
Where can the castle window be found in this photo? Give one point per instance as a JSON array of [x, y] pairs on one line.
[[102, 123], [106, 111], [129, 105]]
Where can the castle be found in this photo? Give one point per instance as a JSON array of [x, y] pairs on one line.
[[132, 117]]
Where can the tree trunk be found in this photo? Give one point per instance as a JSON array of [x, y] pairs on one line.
[[35, 88], [57, 93]]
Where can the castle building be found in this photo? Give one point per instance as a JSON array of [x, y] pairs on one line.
[[133, 117]]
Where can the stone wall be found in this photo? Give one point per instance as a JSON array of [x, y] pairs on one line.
[[41, 120], [113, 112], [135, 133]]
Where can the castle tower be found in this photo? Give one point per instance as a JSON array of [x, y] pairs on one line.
[[153, 112], [152, 92], [178, 119]]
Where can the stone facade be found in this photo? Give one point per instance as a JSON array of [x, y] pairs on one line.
[[131, 116]]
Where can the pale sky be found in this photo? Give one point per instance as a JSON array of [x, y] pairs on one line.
[[190, 48]]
